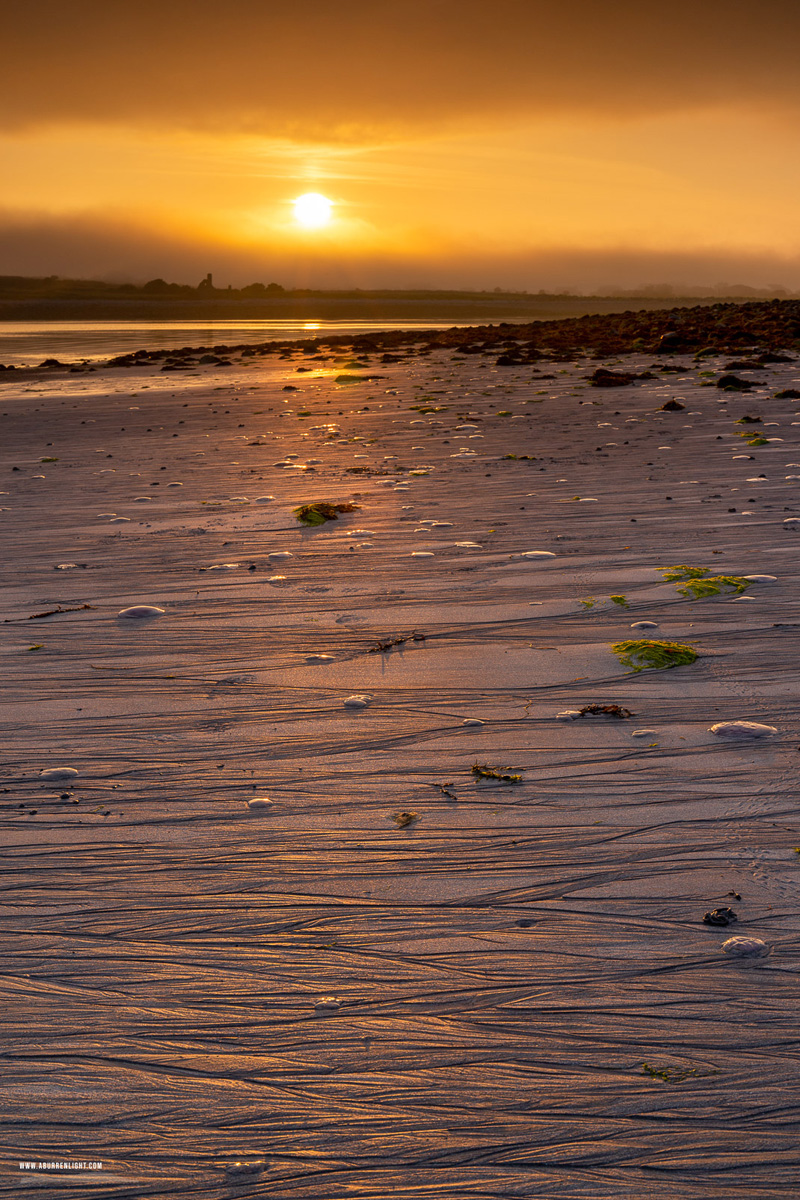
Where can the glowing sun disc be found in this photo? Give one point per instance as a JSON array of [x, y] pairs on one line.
[[313, 210]]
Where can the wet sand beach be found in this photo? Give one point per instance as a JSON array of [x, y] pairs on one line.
[[461, 952]]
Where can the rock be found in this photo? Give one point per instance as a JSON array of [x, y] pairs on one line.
[[141, 612], [644, 733], [319, 658], [644, 625], [53, 773], [742, 730], [720, 916], [570, 714], [328, 1004], [791, 523], [279, 555], [604, 378], [360, 700], [672, 406], [537, 554], [745, 947], [732, 383], [473, 721], [762, 578]]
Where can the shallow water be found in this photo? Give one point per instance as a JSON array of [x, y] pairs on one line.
[[27, 343]]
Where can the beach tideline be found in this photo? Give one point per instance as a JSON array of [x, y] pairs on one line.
[[512, 992]]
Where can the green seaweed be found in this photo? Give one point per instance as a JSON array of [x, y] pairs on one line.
[[589, 602], [481, 771], [713, 586], [697, 583], [620, 600], [320, 511], [646, 654], [669, 1074], [682, 571], [758, 441]]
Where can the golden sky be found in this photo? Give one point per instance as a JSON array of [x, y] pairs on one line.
[[477, 143]]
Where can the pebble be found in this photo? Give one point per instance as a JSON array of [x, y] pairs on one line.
[[472, 721], [644, 625], [141, 612], [327, 1004], [361, 700], [319, 658], [280, 555], [742, 729], [537, 554], [263, 499], [65, 566], [58, 773], [422, 554], [221, 567], [570, 714], [791, 522], [259, 804], [120, 521], [644, 733], [762, 578], [469, 545], [745, 947]]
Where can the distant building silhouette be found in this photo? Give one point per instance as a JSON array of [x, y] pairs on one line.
[[205, 284]]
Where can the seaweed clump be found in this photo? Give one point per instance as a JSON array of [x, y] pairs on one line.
[[696, 581], [481, 771], [646, 654], [320, 511]]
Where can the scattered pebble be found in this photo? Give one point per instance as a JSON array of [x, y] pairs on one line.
[[569, 714], [263, 499], [644, 625], [259, 804], [745, 947], [472, 721], [141, 612], [360, 700], [65, 566], [537, 554], [58, 773], [422, 554], [644, 733], [327, 1004], [742, 729], [319, 658], [762, 578], [279, 555]]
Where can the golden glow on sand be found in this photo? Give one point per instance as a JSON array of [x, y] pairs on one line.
[[313, 210]]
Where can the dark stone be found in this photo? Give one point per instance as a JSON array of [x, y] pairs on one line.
[[732, 383], [672, 406]]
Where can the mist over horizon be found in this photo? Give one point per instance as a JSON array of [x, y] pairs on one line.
[[584, 148]]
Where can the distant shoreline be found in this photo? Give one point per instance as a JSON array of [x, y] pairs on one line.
[[412, 306]]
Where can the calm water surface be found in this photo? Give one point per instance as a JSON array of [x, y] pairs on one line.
[[27, 343]]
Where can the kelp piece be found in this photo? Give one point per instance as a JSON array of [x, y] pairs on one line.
[[605, 710], [320, 511], [401, 819], [481, 771], [646, 654]]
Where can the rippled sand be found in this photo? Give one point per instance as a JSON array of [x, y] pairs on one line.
[[511, 994]]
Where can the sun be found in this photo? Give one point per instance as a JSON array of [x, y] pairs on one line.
[[313, 210]]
